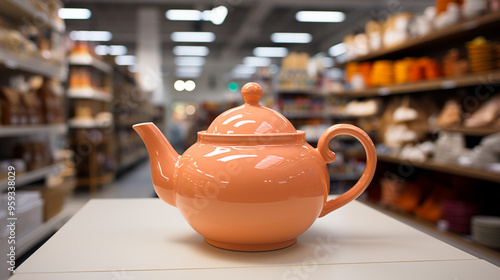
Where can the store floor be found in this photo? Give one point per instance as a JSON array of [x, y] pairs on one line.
[[133, 183], [136, 183]]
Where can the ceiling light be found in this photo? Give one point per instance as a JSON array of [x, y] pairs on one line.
[[125, 60], [183, 15], [288, 37], [320, 16], [257, 61], [244, 69], [179, 85], [190, 109], [218, 15], [192, 36], [189, 85], [191, 50], [117, 50], [270, 51], [74, 13], [101, 50], [90, 35], [337, 50], [189, 61], [187, 75]]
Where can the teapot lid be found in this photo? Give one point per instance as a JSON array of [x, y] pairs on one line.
[[251, 118]]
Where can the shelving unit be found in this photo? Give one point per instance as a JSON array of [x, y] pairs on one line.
[[470, 131], [88, 60], [461, 31], [22, 9], [31, 176], [425, 86], [89, 93], [30, 65], [455, 169], [97, 165], [14, 131]]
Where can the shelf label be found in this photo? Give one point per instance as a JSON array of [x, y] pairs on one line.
[[449, 84], [384, 91]]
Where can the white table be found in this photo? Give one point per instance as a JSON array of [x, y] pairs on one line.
[[147, 239]]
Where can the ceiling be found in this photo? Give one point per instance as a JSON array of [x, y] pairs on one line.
[[249, 24]]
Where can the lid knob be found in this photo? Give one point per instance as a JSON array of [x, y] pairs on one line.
[[251, 92]]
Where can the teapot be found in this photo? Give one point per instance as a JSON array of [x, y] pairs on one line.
[[251, 182]]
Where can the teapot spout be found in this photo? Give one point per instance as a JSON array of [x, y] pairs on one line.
[[163, 158]]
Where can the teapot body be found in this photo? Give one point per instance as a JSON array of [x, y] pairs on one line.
[[251, 196]]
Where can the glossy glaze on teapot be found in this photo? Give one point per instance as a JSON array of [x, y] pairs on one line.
[[251, 182]]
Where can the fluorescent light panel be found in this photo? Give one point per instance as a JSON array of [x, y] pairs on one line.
[[337, 50], [82, 35], [111, 50], [187, 75], [288, 37], [189, 69], [74, 13], [257, 61], [125, 60], [270, 51], [192, 37], [189, 61], [217, 15], [244, 69], [191, 50], [320, 16]]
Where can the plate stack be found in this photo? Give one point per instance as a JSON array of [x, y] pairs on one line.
[[482, 57], [458, 215], [486, 230]]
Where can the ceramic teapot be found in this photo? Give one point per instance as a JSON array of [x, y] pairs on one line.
[[251, 182]]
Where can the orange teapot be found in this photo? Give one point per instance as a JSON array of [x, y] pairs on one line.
[[251, 182]]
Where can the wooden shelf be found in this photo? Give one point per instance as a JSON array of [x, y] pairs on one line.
[[457, 32], [10, 131], [437, 84], [305, 116], [457, 240], [42, 232], [23, 10], [32, 65], [455, 169], [472, 131], [90, 93], [88, 60], [88, 125], [31, 176], [103, 179]]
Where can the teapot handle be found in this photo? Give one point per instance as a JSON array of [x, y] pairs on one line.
[[329, 156]]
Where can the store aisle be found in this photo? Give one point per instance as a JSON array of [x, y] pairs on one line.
[[135, 183]]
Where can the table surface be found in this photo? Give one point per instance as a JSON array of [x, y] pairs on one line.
[[147, 239]]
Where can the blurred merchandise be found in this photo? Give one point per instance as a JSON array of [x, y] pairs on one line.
[[486, 230]]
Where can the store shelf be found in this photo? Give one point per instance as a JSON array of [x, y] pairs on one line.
[[31, 176], [10, 131], [89, 93], [23, 10], [472, 131], [345, 177], [131, 160], [88, 124], [437, 84], [305, 116], [31, 65], [457, 32], [455, 169], [302, 92], [462, 242], [103, 179], [42, 232], [88, 60]]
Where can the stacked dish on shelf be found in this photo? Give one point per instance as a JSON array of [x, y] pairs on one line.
[[486, 230]]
